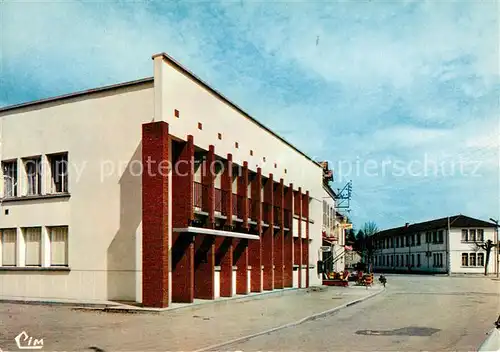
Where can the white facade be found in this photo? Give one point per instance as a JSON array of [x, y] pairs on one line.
[[437, 251], [333, 230], [100, 132]]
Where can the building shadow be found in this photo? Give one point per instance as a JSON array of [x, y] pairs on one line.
[[123, 261]]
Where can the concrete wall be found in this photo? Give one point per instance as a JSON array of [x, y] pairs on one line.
[[103, 211], [458, 247]]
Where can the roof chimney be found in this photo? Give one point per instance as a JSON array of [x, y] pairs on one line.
[[406, 225]]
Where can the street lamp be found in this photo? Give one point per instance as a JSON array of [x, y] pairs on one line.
[[497, 246]]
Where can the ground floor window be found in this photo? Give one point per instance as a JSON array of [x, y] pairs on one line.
[[472, 259], [33, 246], [480, 259], [465, 259], [437, 260], [418, 259], [58, 246], [9, 245]]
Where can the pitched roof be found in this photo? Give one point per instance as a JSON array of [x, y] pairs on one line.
[[455, 221]]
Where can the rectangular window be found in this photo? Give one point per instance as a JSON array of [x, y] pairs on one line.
[[440, 236], [472, 259], [10, 178], [408, 260], [413, 260], [397, 260], [480, 259], [413, 240], [33, 241], [418, 240], [418, 260], [9, 245], [472, 235], [59, 172], [434, 237], [465, 259], [392, 260], [402, 260], [58, 246], [480, 235], [407, 241], [465, 235], [33, 169], [397, 242]]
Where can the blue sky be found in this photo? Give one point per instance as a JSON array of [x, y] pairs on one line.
[[389, 86]]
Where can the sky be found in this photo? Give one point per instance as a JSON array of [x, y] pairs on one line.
[[401, 97]]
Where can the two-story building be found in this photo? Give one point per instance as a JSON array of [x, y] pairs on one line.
[[446, 245], [155, 191]]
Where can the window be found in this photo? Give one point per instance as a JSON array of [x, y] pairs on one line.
[[480, 235], [480, 259], [402, 260], [472, 259], [418, 259], [465, 259], [236, 145], [434, 237], [440, 236], [176, 113], [392, 260], [10, 178], [413, 260], [33, 239], [200, 126], [418, 240], [428, 237], [397, 242], [9, 241], [59, 173], [472, 235], [407, 260], [407, 241], [219, 136], [397, 260], [413, 240], [58, 246], [465, 235], [33, 169]]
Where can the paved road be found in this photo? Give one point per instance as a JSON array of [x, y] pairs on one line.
[[415, 313]]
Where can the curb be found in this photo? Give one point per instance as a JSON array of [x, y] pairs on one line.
[[292, 324]]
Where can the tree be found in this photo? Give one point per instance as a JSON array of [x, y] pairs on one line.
[[487, 246], [370, 228]]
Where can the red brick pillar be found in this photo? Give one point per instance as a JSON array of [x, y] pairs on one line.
[[288, 240], [255, 246], [208, 180], [155, 217], [182, 216], [204, 267], [298, 241], [305, 210], [240, 259], [268, 237], [224, 259], [243, 193], [279, 239], [227, 189]]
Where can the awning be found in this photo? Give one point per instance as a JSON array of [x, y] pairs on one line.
[[213, 232]]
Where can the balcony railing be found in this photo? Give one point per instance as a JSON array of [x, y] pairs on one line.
[[277, 216], [220, 200], [287, 216], [253, 209], [238, 205], [266, 212], [198, 195]]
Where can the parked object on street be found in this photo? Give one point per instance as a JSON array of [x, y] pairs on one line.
[[492, 342]]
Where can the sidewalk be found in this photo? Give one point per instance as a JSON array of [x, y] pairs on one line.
[[64, 328]]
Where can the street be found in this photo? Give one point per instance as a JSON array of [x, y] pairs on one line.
[[415, 313]]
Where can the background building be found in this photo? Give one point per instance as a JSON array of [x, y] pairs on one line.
[[154, 191], [445, 245]]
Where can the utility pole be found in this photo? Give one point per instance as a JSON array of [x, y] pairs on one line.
[[497, 245], [448, 254]]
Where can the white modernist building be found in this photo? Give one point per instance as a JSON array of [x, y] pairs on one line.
[[81, 218], [446, 245]]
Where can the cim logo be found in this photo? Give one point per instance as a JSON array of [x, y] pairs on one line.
[[26, 342]]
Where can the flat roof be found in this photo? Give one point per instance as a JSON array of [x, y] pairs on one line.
[[77, 94]]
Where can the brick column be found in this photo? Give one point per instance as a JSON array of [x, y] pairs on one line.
[[204, 267], [305, 209], [279, 239], [224, 258], [155, 217], [298, 241], [182, 267], [288, 240], [255, 246], [268, 237], [227, 188], [243, 193], [208, 180], [240, 259]]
